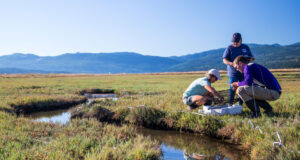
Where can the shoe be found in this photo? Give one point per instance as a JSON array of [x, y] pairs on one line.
[[240, 101], [251, 104], [265, 105], [255, 115], [192, 106]]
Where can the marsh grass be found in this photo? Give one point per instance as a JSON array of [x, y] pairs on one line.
[[85, 139], [162, 108]]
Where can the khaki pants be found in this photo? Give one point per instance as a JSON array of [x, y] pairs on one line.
[[247, 93]]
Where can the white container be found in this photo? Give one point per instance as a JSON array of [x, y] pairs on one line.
[[235, 109], [222, 110]]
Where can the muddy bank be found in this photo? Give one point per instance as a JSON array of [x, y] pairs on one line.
[[95, 91], [30, 104], [46, 103]]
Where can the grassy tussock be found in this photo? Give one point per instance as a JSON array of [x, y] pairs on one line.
[[150, 117], [145, 116]]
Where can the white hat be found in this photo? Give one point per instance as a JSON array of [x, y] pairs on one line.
[[215, 73]]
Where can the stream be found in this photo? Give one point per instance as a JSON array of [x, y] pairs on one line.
[[174, 145]]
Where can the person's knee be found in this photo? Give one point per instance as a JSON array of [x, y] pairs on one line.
[[239, 90], [242, 89], [200, 100], [276, 96], [196, 98]]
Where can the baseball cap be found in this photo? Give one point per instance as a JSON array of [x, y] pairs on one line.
[[236, 37], [215, 73]]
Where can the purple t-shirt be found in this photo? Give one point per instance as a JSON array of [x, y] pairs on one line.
[[231, 53], [258, 74]]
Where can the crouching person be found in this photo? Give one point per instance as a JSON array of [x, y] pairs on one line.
[[200, 91], [258, 86]]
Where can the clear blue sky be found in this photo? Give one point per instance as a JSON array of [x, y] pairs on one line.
[[150, 27]]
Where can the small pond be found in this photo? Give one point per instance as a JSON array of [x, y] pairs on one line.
[[58, 116]]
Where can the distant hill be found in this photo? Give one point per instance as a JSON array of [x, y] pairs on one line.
[[24, 71], [199, 61], [121, 62], [272, 56]]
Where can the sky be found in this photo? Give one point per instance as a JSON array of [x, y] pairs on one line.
[[149, 27]]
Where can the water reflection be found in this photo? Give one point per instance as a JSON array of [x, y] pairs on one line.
[[90, 95], [57, 116], [63, 116], [188, 146]]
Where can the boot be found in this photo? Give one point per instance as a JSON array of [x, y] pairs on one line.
[[240, 101], [192, 106], [265, 105], [254, 108]]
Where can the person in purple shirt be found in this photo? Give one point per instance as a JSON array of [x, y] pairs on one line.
[[258, 86], [231, 52]]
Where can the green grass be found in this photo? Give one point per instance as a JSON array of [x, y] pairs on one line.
[[155, 102], [21, 138]]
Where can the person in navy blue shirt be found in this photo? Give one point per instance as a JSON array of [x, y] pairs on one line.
[[231, 52], [258, 86]]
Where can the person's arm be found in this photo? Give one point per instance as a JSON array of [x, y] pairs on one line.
[[248, 74], [227, 62], [226, 57], [214, 92]]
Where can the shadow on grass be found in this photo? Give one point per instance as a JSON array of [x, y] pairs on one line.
[[7, 110], [95, 91], [32, 104], [280, 115]]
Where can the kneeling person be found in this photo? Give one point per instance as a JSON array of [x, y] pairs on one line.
[[200, 91], [258, 86]]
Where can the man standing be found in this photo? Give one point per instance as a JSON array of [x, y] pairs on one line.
[[258, 86], [231, 52]]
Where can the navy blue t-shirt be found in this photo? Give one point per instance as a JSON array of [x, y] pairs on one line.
[[231, 53]]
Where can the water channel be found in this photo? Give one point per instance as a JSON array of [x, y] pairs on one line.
[[174, 145]]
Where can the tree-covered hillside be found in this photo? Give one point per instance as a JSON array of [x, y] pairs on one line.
[[272, 56]]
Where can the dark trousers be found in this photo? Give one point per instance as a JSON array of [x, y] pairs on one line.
[[231, 93]]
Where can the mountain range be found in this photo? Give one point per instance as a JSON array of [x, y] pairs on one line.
[[271, 56]]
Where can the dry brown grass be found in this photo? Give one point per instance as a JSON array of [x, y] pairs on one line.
[[123, 74]]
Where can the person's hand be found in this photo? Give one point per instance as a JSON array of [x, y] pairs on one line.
[[234, 85], [220, 99]]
